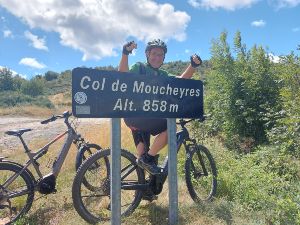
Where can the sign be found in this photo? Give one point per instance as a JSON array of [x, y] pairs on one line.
[[112, 94]]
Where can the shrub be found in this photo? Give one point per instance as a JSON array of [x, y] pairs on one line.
[[33, 87], [10, 99], [264, 181]]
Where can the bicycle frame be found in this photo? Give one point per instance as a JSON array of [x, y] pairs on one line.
[[34, 156], [182, 137]]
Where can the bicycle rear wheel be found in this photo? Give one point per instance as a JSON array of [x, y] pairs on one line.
[[201, 174], [94, 206], [16, 197]]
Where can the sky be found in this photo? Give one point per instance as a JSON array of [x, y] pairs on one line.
[[37, 36]]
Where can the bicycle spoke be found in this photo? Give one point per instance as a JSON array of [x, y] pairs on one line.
[[96, 196], [123, 176]]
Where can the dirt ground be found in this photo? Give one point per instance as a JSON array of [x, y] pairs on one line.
[[39, 131]]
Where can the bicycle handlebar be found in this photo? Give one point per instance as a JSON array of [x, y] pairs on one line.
[[183, 122], [53, 118], [66, 114]]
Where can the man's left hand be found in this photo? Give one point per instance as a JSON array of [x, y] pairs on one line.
[[195, 60]]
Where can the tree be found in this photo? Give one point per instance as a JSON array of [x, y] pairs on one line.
[[242, 92], [33, 88], [6, 80], [50, 75], [286, 132]]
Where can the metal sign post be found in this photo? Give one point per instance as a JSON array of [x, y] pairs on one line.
[[172, 168], [115, 170]]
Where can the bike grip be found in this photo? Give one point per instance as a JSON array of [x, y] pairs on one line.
[[48, 120]]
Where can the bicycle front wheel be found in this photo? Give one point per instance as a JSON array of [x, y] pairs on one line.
[[16, 192], [94, 206], [84, 153], [201, 174]]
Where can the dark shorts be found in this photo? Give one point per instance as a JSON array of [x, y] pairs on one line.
[[142, 128]]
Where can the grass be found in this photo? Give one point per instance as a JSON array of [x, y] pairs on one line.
[[58, 208]]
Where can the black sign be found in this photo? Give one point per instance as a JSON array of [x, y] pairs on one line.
[[112, 94]]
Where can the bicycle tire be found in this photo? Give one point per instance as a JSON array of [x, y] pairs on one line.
[[201, 174], [19, 205], [95, 207], [84, 153]]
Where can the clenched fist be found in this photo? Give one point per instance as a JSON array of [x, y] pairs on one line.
[[128, 47], [195, 60]]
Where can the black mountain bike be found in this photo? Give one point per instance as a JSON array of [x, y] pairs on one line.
[[17, 183], [94, 206]]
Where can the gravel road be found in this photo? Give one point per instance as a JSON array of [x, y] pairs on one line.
[[45, 131]]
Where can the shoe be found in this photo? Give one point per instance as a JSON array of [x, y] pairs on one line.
[[148, 165], [148, 195]]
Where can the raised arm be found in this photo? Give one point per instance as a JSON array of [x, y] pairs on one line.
[[127, 49], [190, 70]]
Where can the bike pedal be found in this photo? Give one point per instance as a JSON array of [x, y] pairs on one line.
[[150, 198]]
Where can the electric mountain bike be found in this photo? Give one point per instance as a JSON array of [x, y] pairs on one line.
[[17, 183], [94, 206]]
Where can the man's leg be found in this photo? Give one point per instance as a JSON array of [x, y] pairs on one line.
[[159, 143], [147, 161], [140, 149]]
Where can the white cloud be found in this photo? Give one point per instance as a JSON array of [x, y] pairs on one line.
[[36, 42], [274, 58], [99, 27], [225, 4], [284, 3], [32, 62], [194, 3], [14, 73], [258, 23], [296, 29], [187, 51], [7, 34]]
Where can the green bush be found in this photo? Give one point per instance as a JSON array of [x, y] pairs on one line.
[[264, 181], [10, 99], [33, 88]]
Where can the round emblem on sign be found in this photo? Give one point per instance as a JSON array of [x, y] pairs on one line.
[[80, 97]]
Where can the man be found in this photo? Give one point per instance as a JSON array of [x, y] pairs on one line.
[[142, 128]]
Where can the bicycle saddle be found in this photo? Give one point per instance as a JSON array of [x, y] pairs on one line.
[[17, 132]]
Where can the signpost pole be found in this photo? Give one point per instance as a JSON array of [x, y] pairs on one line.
[[115, 170], [172, 168]]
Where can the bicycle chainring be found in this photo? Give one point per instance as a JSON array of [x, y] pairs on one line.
[[47, 184], [156, 184]]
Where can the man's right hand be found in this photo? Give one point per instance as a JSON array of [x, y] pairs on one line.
[[128, 47]]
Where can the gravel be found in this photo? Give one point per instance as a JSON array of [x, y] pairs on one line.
[[39, 131]]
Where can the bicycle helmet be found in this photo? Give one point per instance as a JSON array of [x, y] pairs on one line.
[[156, 43]]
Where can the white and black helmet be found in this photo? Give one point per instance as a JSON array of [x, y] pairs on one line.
[[156, 43]]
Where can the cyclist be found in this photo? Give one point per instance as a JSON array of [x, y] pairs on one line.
[[143, 128]]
